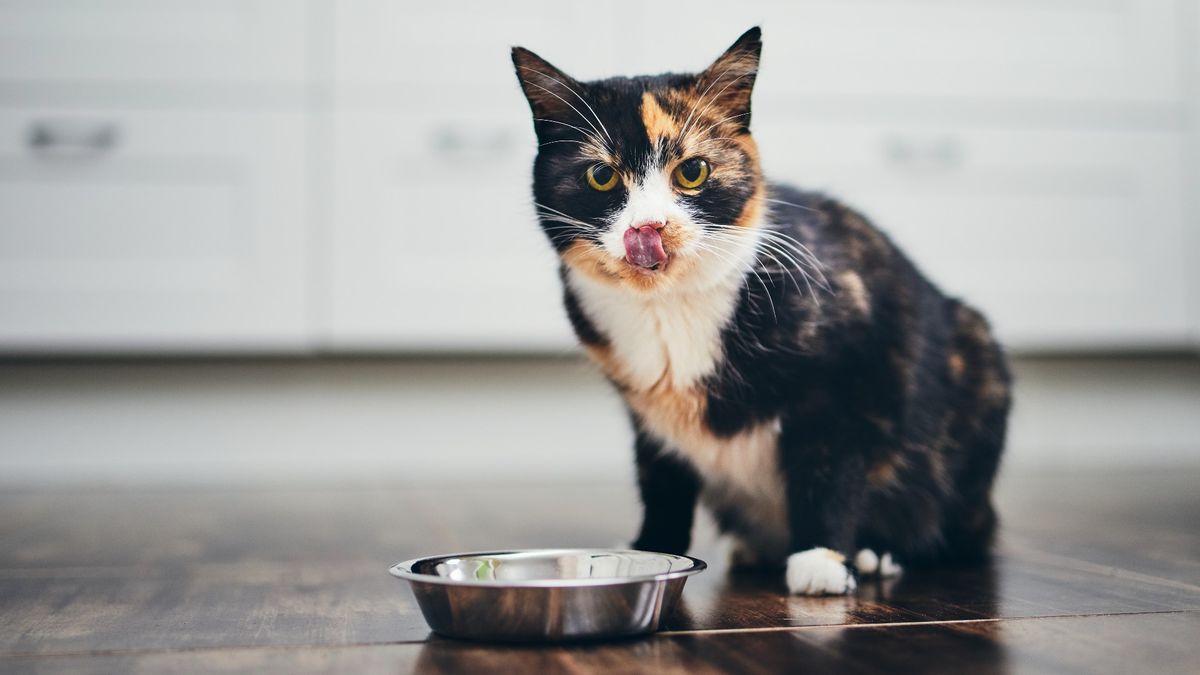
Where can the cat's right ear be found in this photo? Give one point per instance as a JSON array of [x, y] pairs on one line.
[[548, 89], [729, 81]]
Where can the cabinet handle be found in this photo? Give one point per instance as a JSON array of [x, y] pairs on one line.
[[456, 142], [944, 153], [70, 137]]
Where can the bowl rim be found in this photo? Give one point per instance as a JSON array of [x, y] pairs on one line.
[[404, 570]]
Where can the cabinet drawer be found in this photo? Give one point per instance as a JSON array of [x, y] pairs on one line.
[[151, 231], [1063, 238], [463, 47], [1050, 50], [435, 244], [161, 41]]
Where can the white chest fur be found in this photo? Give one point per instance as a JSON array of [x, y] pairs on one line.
[[676, 338], [660, 349]]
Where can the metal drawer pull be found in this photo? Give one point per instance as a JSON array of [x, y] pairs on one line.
[[940, 153], [69, 137], [458, 142]]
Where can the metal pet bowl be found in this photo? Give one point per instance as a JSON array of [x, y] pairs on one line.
[[547, 594]]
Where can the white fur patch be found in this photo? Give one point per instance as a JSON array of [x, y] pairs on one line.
[[866, 561], [678, 330], [651, 334], [650, 200], [869, 563], [818, 571], [888, 567]]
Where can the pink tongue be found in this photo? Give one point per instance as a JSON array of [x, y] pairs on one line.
[[643, 246]]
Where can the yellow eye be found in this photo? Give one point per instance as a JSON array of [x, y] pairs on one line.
[[691, 173], [602, 177]]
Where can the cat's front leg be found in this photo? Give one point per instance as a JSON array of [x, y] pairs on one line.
[[825, 479], [669, 489]]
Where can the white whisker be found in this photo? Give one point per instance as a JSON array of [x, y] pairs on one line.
[[577, 95]]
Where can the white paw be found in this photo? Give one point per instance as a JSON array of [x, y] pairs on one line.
[[818, 571], [889, 568], [868, 563]]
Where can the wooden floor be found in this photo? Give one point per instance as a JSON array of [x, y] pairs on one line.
[[1096, 573]]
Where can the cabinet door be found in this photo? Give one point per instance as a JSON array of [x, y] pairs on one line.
[[1065, 239], [153, 41], [462, 46], [1043, 51], [152, 231], [435, 244]]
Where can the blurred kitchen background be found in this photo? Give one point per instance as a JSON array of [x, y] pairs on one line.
[[292, 240]]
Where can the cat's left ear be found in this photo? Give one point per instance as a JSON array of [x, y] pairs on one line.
[[548, 89], [729, 81]]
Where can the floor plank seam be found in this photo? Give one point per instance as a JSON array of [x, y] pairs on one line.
[[905, 624], [660, 634]]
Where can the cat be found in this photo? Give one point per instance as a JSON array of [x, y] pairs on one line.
[[781, 360]]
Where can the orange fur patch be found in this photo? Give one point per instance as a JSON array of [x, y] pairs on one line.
[[835, 556], [596, 264], [885, 471], [852, 284], [957, 366], [659, 124]]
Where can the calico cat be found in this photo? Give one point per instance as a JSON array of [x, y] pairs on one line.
[[781, 360]]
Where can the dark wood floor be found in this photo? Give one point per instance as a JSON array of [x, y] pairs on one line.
[[1096, 573]]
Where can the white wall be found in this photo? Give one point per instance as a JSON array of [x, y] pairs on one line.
[[480, 420]]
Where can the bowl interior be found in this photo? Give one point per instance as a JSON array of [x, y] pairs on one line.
[[550, 565]]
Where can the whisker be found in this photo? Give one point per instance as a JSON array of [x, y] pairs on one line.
[[743, 266], [700, 100], [577, 95], [731, 117], [799, 206], [581, 130], [718, 96], [790, 250], [566, 140], [581, 115]]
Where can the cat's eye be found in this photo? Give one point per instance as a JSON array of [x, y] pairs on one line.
[[602, 177], [692, 173]]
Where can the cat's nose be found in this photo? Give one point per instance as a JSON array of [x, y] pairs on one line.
[[656, 224]]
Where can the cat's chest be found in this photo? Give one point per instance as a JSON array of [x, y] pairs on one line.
[[654, 341], [660, 351]]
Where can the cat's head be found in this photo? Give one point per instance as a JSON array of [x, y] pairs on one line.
[[648, 183]]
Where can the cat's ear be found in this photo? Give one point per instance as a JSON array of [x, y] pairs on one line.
[[729, 81], [548, 89]]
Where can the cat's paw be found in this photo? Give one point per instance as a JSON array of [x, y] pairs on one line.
[[869, 563], [818, 571]]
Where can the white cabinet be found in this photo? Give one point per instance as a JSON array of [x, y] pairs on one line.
[[163, 163], [434, 240], [1192, 178], [1065, 239], [130, 230], [1043, 51], [154, 42], [462, 47]]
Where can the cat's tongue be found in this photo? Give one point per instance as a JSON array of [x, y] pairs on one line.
[[643, 246]]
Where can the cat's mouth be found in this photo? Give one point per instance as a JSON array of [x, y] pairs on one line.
[[644, 247]]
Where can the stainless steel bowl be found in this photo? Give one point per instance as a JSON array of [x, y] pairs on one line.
[[547, 594]]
